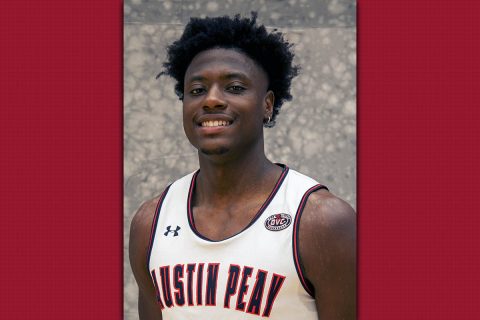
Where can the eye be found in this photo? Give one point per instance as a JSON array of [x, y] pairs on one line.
[[236, 89], [197, 91]]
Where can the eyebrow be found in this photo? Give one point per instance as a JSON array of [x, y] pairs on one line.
[[228, 76]]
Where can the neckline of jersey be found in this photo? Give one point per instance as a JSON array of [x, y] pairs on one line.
[[191, 220]]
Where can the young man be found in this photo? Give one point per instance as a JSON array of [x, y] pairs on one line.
[[242, 237]]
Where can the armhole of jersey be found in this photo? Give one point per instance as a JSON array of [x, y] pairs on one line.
[[296, 226], [154, 226]]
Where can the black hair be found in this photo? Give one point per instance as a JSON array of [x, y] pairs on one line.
[[269, 50]]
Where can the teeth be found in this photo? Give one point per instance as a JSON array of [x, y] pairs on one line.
[[215, 123]]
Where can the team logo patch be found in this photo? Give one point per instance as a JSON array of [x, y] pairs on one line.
[[278, 221]]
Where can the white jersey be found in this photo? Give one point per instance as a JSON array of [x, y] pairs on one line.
[[250, 275]]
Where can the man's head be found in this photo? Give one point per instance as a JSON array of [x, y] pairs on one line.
[[269, 50], [226, 103]]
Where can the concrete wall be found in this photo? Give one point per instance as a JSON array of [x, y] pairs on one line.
[[315, 132]]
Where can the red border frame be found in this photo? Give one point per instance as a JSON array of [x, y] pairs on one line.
[[418, 159], [61, 160]]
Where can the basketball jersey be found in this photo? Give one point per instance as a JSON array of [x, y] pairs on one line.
[[253, 274]]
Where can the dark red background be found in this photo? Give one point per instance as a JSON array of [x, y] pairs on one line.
[[61, 159]]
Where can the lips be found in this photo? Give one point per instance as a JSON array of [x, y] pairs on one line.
[[217, 120]]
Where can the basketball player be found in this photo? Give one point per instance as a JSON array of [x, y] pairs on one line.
[[242, 237]]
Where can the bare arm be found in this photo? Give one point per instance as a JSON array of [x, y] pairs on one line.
[[327, 244], [148, 309]]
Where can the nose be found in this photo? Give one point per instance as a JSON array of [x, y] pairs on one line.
[[214, 98]]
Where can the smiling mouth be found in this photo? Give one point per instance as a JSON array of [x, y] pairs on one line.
[[215, 123]]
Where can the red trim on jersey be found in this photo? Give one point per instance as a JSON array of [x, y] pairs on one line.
[[154, 225], [296, 257], [191, 220], [189, 204]]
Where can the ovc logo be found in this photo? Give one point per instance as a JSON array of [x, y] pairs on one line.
[[278, 221]]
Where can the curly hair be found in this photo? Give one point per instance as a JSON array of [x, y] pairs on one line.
[[269, 50]]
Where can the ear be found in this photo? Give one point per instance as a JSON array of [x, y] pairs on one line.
[[269, 101]]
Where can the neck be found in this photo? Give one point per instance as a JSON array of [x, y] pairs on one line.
[[218, 181]]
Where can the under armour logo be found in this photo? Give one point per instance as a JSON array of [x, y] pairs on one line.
[[175, 232]]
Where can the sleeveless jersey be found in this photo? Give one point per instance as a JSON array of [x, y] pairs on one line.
[[253, 274]]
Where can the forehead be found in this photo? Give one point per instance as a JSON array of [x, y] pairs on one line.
[[222, 61]]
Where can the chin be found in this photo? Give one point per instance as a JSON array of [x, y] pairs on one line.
[[214, 151]]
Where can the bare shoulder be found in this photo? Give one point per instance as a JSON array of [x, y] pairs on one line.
[[143, 218], [327, 246], [140, 228], [328, 213], [327, 228]]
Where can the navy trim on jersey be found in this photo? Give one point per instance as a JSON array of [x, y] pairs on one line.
[[296, 225], [154, 226], [191, 220]]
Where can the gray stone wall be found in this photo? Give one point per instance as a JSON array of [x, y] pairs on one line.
[[315, 132]]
